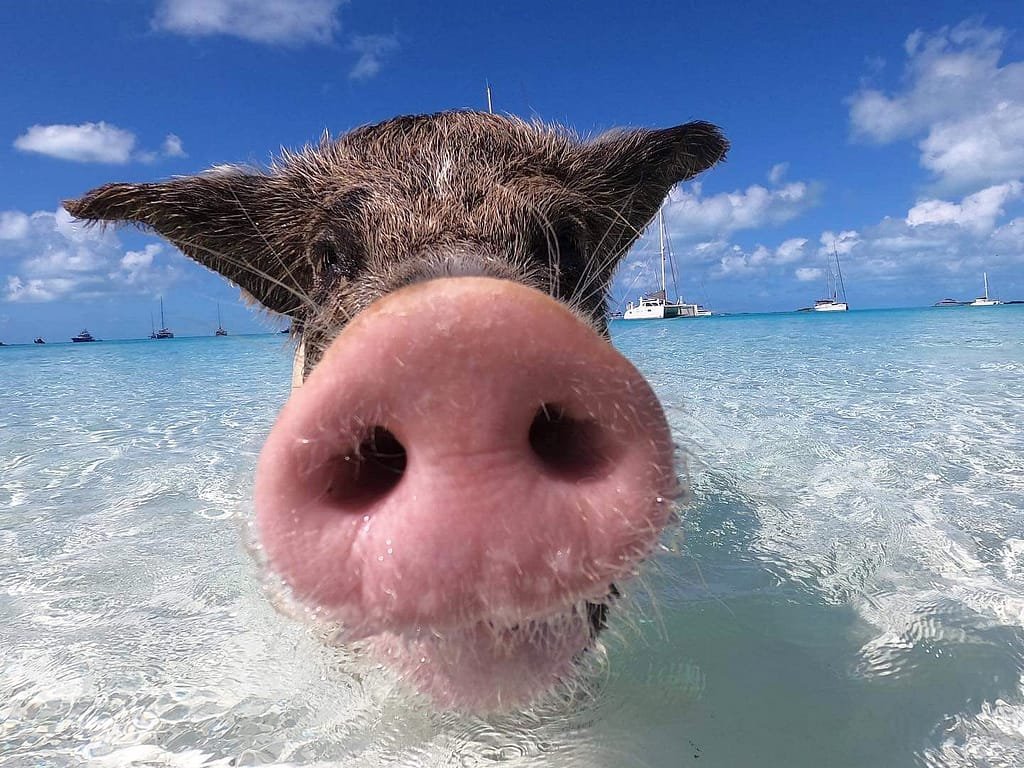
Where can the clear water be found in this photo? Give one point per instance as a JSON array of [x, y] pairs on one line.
[[848, 588]]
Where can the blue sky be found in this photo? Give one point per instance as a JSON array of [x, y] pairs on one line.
[[895, 130]]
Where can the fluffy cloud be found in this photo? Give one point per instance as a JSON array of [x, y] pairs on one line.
[[931, 243], [85, 143], [967, 109], [372, 50], [977, 212], [807, 274], [13, 225], [690, 215], [92, 143], [173, 147], [736, 261], [939, 245], [280, 22], [54, 257]]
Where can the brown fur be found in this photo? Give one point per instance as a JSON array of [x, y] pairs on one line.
[[327, 230]]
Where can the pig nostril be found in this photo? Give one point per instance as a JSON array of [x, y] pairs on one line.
[[572, 448], [369, 472]]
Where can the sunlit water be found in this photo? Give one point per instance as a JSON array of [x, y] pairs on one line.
[[848, 589]]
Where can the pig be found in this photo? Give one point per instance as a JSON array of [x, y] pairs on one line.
[[469, 468]]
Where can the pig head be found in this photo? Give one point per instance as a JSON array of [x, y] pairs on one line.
[[469, 467]]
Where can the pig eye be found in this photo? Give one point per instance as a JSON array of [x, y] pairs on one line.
[[323, 252], [327, 254]]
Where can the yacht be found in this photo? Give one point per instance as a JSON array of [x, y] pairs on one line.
[[985, 301], [39, 340], [949, 303], [834, 286], [84, 336], [164, 332], [656, 306], [220, 326]]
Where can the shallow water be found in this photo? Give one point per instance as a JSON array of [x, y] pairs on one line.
[[847, 588]]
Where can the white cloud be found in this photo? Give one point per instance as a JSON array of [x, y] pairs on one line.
[[85, 143], [807, 274], [977, 149], [977, 212], [736, 261], [173, 147], [372, 50], [37, 290], [967, 109], [13, 225], [691, 216], [93, 143], [57, 257], [791, 250], [841, 242], [281, 22], [939, 246], [778, 172]]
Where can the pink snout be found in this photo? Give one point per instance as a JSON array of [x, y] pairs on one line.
[[467, 453]]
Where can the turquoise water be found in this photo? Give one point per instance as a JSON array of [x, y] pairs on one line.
[[846, 587]]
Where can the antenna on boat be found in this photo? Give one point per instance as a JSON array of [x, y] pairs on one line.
[[487, 84]]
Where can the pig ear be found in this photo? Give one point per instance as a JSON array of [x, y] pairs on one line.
[[634, 170], [246, 226]]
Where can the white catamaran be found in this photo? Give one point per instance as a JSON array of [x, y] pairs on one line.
[[656, 306], [985, 301]]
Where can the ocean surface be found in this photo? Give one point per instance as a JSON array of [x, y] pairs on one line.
[[845, 588]]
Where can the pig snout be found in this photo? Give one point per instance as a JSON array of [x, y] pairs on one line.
[[465, 468]]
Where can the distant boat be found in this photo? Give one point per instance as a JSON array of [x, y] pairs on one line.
[[39, 340], [656, 306], [834, 285], [84, 336], [220, 326], [949, 303], [164, 332], [985, 301], [286, 330]]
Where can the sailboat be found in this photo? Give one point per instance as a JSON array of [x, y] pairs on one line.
[[220, 326], [164, 332], [985, 301], [834, 285], [656, 306]]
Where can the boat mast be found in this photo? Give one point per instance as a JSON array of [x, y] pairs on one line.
[[489, 109], [985, 275], [661, 229], [839, 270], [162, 323]]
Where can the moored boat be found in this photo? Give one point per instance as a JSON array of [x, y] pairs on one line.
[[220, 326], [164, 332], [84, 336], [834, 285], [655, 305], [985, 301]]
